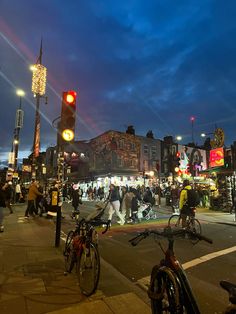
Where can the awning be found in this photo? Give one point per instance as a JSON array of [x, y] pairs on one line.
[[220, 170]]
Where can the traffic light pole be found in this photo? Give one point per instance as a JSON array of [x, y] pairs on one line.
[[60, 181]]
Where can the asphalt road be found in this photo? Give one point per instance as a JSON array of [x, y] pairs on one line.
[[135, 263]]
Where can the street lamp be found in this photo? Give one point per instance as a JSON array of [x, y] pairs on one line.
[[192, 119], [179, 138], [18, 126]]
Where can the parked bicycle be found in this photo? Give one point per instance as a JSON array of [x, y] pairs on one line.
[[170, 290], [81, 249], [191, 224], [231, 289]]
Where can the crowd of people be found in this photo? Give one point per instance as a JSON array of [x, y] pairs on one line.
[[123, 201]]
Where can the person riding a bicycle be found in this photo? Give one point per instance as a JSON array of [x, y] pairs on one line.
[[184, 207]]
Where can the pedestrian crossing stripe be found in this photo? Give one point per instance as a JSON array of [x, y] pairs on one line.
[[145, 281]]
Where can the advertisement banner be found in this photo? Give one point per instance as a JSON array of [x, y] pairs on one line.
[[217, 157]]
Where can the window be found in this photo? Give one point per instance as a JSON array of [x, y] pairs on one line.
[[132, 146], [154, 152], [145, 149]]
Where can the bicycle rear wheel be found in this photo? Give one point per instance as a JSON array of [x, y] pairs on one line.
[[164, 291], [175, 221], [88, 269], [194, 226], [69, 252]]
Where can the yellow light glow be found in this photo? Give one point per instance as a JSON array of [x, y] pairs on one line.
[[176, 169], [68, 135], [151, 173], [39, 80], [20, 92], [70, 98], [33, 67]]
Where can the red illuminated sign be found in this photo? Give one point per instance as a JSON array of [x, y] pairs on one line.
[[217, 157]]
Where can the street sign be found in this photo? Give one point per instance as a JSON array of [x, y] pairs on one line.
[[19, 119], [11, 158]]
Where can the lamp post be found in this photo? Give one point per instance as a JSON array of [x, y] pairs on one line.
[[38, 89], [192, 119], [18, 126]]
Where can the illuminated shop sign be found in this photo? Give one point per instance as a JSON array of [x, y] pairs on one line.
[[217, 157]]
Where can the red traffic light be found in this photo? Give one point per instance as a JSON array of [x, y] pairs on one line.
[[178, 154], [69, 97]]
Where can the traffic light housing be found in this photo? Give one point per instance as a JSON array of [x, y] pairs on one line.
[[176, 162], [68, 113]]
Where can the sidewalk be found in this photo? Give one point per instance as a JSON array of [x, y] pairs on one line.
[[32, 279]]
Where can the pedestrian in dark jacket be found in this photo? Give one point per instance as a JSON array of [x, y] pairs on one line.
[[114, 204], [76, 200]]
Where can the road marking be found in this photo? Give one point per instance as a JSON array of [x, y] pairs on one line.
[[145, 281], [208, 257], [63, 236]]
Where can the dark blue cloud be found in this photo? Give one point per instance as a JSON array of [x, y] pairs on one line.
[[148, 63]]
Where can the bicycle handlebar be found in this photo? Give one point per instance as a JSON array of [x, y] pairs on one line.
[[108, 224], [95, 223], [168, 233]]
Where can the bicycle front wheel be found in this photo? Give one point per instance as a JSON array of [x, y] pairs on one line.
[[88, 269], [69, 252], [175, 221], [194, 226], [164, 291]]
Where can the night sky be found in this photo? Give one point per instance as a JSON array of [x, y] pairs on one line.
[[151, 64]]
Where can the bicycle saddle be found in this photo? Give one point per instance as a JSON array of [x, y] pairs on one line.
[[231, 289]]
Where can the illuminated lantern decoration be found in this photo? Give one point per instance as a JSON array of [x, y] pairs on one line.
[[39, 79]]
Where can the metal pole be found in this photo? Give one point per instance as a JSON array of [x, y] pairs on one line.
[[36, 146], [60, 170], [192, 130]]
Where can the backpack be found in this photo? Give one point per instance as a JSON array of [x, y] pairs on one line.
[[192, 198]]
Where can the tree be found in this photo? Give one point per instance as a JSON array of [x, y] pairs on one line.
[[130, 130], [150, 134]]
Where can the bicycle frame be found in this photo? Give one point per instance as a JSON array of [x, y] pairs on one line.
[[171, 262]]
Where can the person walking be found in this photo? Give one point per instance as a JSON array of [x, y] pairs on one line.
[[126, 203], [76, 200], [7, 188], [32, 195], [114, 204], [2, 206], [18, 192]]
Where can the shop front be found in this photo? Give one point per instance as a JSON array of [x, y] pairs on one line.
[[223, 191]]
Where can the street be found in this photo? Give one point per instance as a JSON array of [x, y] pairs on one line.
[[135, 263]]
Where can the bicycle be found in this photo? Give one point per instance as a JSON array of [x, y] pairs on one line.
[[169, 289], [231, 289], [191, 223], [81, 249]]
